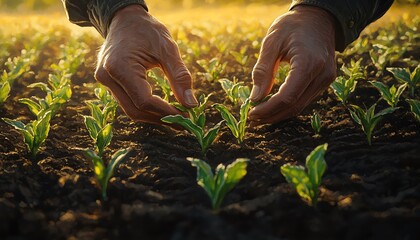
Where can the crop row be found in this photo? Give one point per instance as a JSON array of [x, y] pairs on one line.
[[382, 49]]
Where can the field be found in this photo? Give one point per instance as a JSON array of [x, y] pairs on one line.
[[368, 191]]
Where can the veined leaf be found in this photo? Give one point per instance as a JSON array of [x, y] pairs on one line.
[[297, 176], [104, 138]]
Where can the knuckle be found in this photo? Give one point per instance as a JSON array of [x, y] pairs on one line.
[[260, 72], [183, 77]]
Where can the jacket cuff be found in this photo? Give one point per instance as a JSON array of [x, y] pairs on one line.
[[101, 12], [348, 26]]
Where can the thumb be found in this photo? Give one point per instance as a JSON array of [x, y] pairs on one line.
[[264, 69], [179, 77]]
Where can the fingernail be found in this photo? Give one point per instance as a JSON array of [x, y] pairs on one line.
[[255, 92], [190, 98]]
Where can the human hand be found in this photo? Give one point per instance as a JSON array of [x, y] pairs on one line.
[[304, 37], [135, 43]]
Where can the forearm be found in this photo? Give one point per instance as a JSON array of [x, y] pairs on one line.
[[352, 16], [96, 13]]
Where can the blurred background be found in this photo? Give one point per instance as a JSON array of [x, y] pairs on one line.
[[7, 5]]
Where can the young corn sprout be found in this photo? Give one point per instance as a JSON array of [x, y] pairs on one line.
[[104, 172], [241, 57], [236, 127], [390, 95], [58, 91], [404, 75], [343, 87], [34, 133], [307, 182], [225, 178], [213, 69], [236, 91], [382, 55], [415, 108], [195, 124], [162, 82], [16, 68], [368, 119], [99, 124], [354, 70], [316, 123]]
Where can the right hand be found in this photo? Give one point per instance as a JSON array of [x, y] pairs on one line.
[[135, 43]]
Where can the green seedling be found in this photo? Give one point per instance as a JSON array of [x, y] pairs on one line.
[[58, 91], [316, 123], [236, 127], [354, 71], [72, 56], [241, 57], [99, 124], [223, 181], [17, 66], [4, 91], [100, 130], [382, 55], [307, 182], [213, 69], [104, 172], [368, 119], [162, 82], [404, 75], [343, 87], [195, 124], [390, 95], [34, 133], [415, 108], [236, 91]]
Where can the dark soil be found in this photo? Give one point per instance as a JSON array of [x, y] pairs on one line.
[[369, 192]]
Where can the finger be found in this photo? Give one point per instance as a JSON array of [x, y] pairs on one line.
[[178, 75], [132, 78], [316, 87], [125, 101], [266, 66], [302, 73]]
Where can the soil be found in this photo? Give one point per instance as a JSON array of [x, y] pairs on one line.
[[368, 192]]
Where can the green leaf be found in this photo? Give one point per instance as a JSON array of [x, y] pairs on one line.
[[205, 177], [116, 159], [210, 136], [415, 108], [43, 86], [33, 106], [92, 127], [235, 172], [316, 123], [400, 74], [98, 164], [96, 114], [231, 121], [104, 138], [297, 176], [316, 165], [41, 128], [186, 123], [225, 179], [4, 91]]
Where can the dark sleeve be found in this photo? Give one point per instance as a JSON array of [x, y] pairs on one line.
[[96, 13], [352, 16]]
